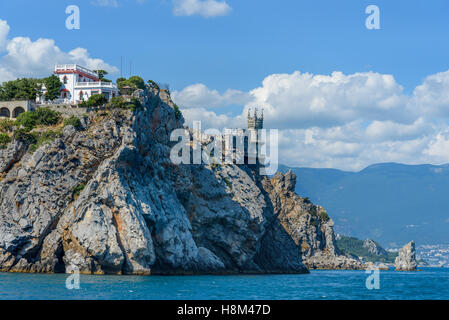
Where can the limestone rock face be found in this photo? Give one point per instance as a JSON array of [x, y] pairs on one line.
[[374, 248], [308, 225], [406, 260], [108, 200]]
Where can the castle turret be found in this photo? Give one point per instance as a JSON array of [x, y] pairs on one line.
[[255, 122]]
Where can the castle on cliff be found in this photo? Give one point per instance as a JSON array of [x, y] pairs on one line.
[[254, 122]]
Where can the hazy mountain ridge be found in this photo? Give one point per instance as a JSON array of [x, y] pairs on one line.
[[388, 202]]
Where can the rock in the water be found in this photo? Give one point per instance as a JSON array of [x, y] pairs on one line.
[[406, 260]]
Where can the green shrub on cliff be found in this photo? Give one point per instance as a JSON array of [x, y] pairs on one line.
[[43, 137], [134, 82], [121, 103], [324, 216], [73, 121], [95, 100], [40, 117], [4, 140], [178, 113], [24, 136], [118, 103], [6, 125], [77, 190]]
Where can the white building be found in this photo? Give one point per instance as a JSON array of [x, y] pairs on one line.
[[79, 83]]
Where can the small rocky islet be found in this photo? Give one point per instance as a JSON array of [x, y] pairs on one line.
[[104, 198]]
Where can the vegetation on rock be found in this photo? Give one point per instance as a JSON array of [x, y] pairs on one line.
[[95, 100], [354, 246], [4, 140], [42, 138], [134, 82], [6, 125], [178, 113], [73, 121], [101, 73], [40, 117]]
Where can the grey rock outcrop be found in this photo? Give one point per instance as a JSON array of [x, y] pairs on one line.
[[374, 248], [406, 260], [308, 225], [108, 200]]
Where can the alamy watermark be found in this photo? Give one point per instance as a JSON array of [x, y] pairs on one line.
[[73, 21], [73, 281], [373, 280], [230, 146], [372, 22]]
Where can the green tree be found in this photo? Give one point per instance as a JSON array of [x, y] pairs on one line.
[[20, 89], [135, 82], [101, 73], [118, 103], [4, 140], [95, 100], [53, 85]]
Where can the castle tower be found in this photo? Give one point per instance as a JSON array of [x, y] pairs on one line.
[[255, 122]]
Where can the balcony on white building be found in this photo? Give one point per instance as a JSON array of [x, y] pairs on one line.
[[60, 68], [95, 84]]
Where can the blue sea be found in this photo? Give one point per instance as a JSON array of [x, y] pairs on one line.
[[429, 283]]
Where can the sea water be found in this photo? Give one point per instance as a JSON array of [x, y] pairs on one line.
[[429, 283]]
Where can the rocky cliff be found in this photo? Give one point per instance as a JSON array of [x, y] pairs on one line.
[[406, 260], [374, 248], [106, 199]]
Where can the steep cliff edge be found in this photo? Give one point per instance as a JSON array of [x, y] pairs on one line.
[[107, 200]]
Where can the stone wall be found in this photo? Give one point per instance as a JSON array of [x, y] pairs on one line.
[[11, 109], [68, 111]]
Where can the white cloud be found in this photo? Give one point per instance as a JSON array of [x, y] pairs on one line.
[[112, 3], [320, 100], [22, 57], [198, 95], [432, 96], [340, 121], [4, 31], [106, 3], [210, 119], [205, 8]]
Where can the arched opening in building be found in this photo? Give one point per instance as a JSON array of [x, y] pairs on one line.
[[17, 111], [81, 95], [4, 112], [65, 79], [65, 94]]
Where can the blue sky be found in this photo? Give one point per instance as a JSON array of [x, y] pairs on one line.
[[341, 95], [255, 39]]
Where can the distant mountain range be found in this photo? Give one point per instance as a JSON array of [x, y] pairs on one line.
[[391, 203]]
